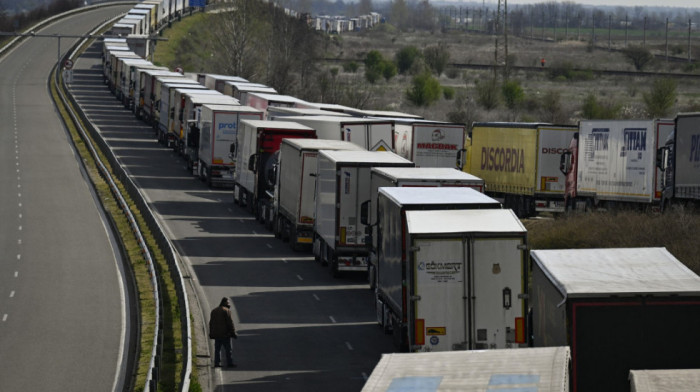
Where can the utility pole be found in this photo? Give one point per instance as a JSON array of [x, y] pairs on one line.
[[501, 44]]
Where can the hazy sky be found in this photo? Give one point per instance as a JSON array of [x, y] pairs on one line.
[[626, 3]]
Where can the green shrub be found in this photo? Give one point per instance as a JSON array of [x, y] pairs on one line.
[[425, 90], [448, 92], [513, 94], [660, 99], [593, 109], [487, 94], [351, 66], [406, 57]]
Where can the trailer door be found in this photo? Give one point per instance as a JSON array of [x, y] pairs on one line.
[[497, 280], [439, 319]]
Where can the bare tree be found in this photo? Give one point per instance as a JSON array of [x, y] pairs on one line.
[[235, 34]]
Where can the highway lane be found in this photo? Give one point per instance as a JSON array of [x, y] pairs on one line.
[[62, 304], [299, 328]]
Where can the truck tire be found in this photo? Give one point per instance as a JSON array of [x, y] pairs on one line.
[[276, 226]]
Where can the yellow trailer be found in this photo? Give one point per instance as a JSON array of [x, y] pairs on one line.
[[519, 162]]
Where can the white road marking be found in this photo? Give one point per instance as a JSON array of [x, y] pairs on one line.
[[332, 319], [12, 293], [349, 346], [299, 277], [4, 317], [269, 246], [316, 297], [19, 257], [16, 274]]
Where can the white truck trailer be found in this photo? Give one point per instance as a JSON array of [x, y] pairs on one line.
[[667, 380], [211, 141], [411, 177], [161, 112], [453, 279], [257, 142], [618, 309], [370, 134], [679, 159], [188, 114], [143, 91], [175, 102], [430, 143], [342, 185], [527, 370], [616, 162], [292, 211]]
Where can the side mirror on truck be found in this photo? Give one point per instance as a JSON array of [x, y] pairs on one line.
[[565, 162], [364, 212], [662, 158], [253, 163], [232, 151], [461, 160]]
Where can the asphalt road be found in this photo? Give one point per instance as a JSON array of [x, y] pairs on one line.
[[300, 329], [63, 319]]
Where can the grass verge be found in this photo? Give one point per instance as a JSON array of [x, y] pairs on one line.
[[171, 361], [676, 230]]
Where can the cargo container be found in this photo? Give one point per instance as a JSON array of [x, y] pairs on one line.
[[618, 309], [212, 139], [217, 82], [153, 14], [615, 163], [280, 112], [671, 380], [679, 158], [430, 143], [526, 370], [411, 177], [370, 134], [292, 207], [452, 279], [144, 91], [342, 185], [261, 101], [168, 134], [237, 89], [520, 164], [188, 114], [257, 142], [111, 67], [130, 74]]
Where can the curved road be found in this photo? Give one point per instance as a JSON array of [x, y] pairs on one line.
[[299, 328], [63, 315]]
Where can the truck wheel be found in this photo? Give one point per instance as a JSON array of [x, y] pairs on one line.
[[209, 177], [293, 239], [276, 226]]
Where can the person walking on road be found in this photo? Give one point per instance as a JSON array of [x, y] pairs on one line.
[[221, 329]]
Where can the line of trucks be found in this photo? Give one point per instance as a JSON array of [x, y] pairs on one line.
[[431, 215]]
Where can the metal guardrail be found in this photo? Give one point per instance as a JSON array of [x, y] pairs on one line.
[[153, 225]]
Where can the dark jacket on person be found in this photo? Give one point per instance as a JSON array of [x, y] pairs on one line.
[[221, 322]]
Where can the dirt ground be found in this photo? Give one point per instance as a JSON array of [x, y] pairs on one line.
[[478, 49]]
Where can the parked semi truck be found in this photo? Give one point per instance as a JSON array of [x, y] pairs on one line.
[[520, 164], [527, 370], [188, 113], [342, 185], [292, 207], [679, 160], [212, 137], [452, 279], [430, 143], [370, 134], [613, 162], [410, 177], [257, 142], [618, 309]]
